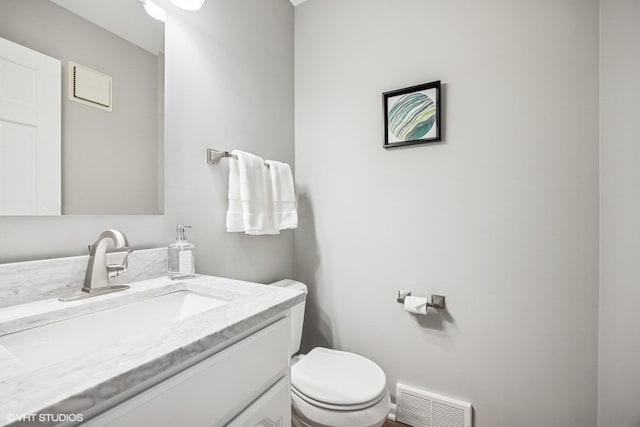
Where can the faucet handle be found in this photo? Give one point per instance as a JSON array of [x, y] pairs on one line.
[[114, 270]]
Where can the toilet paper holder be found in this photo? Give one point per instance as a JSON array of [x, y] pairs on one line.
[[437, 301]]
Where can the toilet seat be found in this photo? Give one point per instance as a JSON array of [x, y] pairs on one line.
[[325, 405], [338, 380]]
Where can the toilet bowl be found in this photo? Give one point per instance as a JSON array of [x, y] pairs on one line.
[[331, 388], [336, 388]]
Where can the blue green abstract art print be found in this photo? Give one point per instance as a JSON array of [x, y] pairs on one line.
[[412, 115]]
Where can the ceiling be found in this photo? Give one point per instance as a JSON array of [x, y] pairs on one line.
[[126, 18]]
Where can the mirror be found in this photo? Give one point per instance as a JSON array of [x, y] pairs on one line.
[[111, 125]]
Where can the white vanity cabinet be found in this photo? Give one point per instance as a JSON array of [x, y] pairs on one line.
[[245, 384]]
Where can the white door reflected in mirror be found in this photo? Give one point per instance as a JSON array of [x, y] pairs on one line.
[[30, 131]]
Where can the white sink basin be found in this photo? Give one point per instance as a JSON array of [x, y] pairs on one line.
[[55, 342]]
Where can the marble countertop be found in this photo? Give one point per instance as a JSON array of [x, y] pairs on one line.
[[82, 383]]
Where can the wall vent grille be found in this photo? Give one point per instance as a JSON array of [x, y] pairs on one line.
[[419, 408], [90, 87]]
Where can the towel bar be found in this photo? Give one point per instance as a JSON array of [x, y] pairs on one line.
[[214, 156]]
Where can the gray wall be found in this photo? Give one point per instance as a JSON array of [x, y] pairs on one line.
[[215, 71], [619, 367], [502, 217], [108, 158], [229, 85]]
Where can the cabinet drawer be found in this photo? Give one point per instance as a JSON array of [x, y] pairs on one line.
[[272, 409], [213, 391]]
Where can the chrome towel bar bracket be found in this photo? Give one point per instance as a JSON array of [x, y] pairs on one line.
[[214, 156]]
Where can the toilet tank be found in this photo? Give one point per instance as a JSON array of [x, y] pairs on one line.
[[297, 314]]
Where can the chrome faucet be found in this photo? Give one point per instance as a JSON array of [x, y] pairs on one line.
[[97, 276], [96, 279]]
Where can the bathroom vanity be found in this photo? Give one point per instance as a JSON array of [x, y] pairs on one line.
[[201, 351]]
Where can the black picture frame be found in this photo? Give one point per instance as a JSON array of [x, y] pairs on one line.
[[403, 123]]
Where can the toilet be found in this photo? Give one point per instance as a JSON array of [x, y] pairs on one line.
[[331, 388]]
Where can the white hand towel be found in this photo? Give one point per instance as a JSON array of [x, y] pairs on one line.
[[255, 194], [285, 215], [235, 222]]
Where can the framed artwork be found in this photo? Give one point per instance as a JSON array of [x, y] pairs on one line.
[[412, 115]]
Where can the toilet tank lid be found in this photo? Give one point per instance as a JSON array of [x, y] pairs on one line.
[[291, 284]]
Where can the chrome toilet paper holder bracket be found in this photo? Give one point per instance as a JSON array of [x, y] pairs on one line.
[[437, 301]]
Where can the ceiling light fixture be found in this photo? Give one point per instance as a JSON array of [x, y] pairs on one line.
[[188, 4], [153, 10]]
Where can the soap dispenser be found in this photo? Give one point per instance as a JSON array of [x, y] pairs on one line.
[[181, 263]]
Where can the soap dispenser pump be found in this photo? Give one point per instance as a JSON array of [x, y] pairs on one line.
[[181, 262]]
